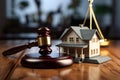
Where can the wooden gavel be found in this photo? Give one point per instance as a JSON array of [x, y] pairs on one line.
[[44, 60], [43, 42]]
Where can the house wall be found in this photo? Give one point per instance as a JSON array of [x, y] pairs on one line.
[[72, 51], [73, 35], [94, 46], [86, 51]]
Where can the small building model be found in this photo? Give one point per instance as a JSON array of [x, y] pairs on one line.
[[76, 38]]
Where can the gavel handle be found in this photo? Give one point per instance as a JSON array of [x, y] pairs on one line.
[[19, 48]]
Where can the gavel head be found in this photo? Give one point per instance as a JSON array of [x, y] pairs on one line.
[[44, 41]]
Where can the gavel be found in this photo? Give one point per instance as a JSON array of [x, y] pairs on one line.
[[43, 42], [44, 60]]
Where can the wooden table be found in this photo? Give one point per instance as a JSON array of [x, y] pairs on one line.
[[84, 71]]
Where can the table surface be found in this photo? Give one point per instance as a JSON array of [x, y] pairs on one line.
[[110, 70]]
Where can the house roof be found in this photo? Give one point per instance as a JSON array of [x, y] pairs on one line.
[[83, 32], [65, 31], [87, 34]]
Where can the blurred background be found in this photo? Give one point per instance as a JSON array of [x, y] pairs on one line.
[[20, 19]]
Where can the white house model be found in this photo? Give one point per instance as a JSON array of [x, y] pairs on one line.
[[76, 38]]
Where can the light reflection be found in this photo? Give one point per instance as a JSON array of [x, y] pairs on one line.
[[94, 73], [104, 52], [104, 42], [66, 61], [65, 72], [34, 60]]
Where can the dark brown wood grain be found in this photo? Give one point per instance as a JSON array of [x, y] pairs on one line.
[[84, 71]]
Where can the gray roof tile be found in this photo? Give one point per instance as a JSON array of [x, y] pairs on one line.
[[83, 32], [87, 34]]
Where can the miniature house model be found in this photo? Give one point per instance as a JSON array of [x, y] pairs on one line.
[[76, 38]]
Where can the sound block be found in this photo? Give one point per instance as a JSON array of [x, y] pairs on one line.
[[45, 62]]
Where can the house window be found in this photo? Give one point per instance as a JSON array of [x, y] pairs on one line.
[[72, 51], [96, 39], [64, 50], [65, 39], [91, 52], [71, 39], [93, 40], [77, 39], [96, 51]]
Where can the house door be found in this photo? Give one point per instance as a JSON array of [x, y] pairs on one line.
[[72, 52], [79, 52]]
